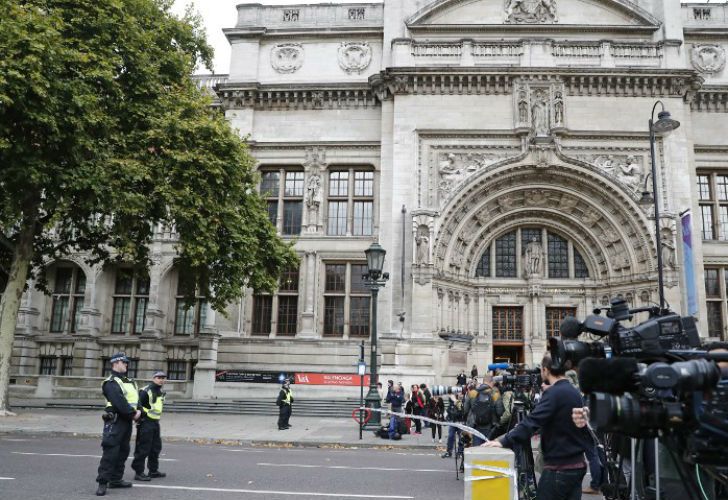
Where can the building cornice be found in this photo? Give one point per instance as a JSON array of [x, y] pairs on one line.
[[529, 29], [302, 145], [296, 96], [317, 32], [711, 99]]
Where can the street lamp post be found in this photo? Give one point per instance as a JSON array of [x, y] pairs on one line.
[[374, 280], [663, 125]]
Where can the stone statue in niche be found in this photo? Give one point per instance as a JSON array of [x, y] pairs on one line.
[[540, 114], [313, 194], [645, 296], [531, 11], [522, 107], [558, 109], [423, 245], [533, 258], [668, 249]]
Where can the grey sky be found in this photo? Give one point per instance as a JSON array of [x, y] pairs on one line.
[[219, 14]]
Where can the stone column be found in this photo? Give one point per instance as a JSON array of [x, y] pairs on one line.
[[308, 326], [204, 384]]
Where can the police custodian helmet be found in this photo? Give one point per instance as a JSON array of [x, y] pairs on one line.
[[119, 356]]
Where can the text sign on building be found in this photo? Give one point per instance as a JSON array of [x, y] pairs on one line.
[[341, 379], [252, 377]]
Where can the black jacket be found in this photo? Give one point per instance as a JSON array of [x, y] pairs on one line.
[[115, 396], [562, 442], [156, 392]]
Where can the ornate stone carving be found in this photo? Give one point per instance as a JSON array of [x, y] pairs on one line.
[[535, 198], [645, 296], [423, 245], [533, 258], [590, 217], [455, 168], [559, 109], [668, 248], [531, 11], [708, 59], [286, 57], [354, 57], [627, 169], [313, 197], [568, 203], [540, 114]]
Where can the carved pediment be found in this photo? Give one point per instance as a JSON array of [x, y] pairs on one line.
[[533, 12]]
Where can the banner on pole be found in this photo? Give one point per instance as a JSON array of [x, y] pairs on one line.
[[687, 241]]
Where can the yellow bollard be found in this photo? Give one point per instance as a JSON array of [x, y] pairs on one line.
[[490, 474]]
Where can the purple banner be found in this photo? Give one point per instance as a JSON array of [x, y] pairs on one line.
[[687, 240]]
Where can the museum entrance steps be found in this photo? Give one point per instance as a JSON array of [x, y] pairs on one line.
[[326, 408]]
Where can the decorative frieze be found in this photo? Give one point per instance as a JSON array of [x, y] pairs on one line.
[[531, 11], [286, 57], [714, 99], [627, 169], [342, 97], [354, 57]]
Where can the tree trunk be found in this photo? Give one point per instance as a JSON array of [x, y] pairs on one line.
[[10, 304]]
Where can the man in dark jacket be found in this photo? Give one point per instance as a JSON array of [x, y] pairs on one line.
[[562, 442], [480, 408], [149, 437], [121, 396], [462, 378], [285, 405]]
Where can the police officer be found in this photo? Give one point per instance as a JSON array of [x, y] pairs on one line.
[[149, 440], [122, 398], [285, 404]]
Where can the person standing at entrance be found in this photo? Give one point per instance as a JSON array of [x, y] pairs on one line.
[[122, 397], [149, 438], [285, 406]]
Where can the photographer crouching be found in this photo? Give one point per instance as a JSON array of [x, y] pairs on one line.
[[562, 442]]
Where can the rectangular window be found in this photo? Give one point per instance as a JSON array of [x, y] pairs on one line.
[[580, 269], [336, 278], [359, 317], [483, 269], [722, 185], [715, 319], [189, 315], [339, 184], [294, 184], [364, 183], [270, 183], [48, 365], [292, 215], [59, 313], [133, 368], [66, 366], [176, 369], [337, 218], [723, 223], [704, 187], [131, 295], [272, 211], [363, 215], [707, 214], [64, 278], [334, 316], [67, 302], [120, 317], [713, 196], [262, 308], [554, 317], [712, 285], [287, 315], [508, 323]]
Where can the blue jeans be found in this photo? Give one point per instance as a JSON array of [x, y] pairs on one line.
[[595, 467], [560, 485], [451, 433]]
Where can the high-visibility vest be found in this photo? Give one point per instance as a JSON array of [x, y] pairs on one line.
[[128, 388], [289, 397], [156, 405]]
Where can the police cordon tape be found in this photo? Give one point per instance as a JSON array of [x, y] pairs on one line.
[[462, 427]]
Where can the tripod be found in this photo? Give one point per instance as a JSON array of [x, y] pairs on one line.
[[526, 477]]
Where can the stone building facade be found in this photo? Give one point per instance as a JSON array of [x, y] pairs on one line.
[[496, 149]]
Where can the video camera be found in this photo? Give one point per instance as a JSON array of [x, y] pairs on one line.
[[517, 376], [649, 380]]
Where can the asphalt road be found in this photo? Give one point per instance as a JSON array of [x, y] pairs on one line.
[[65, 468]]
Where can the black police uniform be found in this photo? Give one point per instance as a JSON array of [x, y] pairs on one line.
[[149, 439], [117, 433], [285, 403]]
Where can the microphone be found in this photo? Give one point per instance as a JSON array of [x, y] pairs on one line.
[[615, 376], [498, 366], [570, 327]]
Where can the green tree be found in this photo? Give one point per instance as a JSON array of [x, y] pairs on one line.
[[103, 135]]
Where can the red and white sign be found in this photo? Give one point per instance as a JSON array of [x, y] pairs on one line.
[[344, 379]]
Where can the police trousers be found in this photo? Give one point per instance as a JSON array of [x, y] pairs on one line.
[[148, 446], [284, 413], [115, 446]]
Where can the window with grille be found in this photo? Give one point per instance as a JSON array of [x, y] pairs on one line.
[[554, 317], [66, 366], [131, 296], [262, 310], [132, 368], [505, 256], [558, 253], [283, 191], [334, 299], [359, 302], [483, 269], [190, 313], [558, 256], [713, 200], [350, 202], [48, 365], [105, 367], [508, 323], [177, 369], [68, 290]]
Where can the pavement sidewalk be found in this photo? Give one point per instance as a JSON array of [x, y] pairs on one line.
[[239, 430]]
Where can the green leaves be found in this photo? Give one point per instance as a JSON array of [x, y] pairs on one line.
[[102, 129]]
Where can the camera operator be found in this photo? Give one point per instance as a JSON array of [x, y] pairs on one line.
[[504, 409], [563, 443], [455, 414], [480, 408]]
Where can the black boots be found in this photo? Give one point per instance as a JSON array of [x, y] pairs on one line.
[[140, 476], [101, 490], [156, 474]]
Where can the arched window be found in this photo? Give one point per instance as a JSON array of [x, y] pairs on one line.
[[561, 261], [69, 286]]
